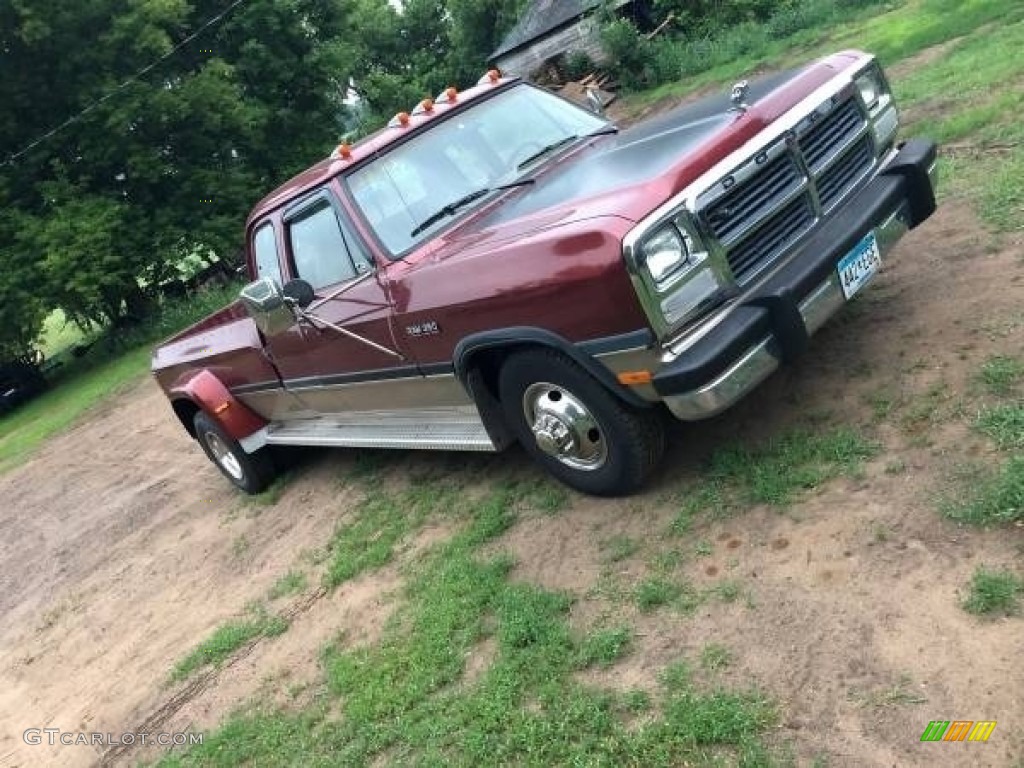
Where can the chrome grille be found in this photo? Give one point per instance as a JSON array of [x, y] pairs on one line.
[[784, 229], [824, 136], [750, 201], [834, 181], [771, 210]]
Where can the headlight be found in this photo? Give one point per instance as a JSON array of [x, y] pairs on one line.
[[871, 86], [873, 89], [664, 253], [681, 272]]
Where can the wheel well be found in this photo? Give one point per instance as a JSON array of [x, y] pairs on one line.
[[186, 412], [489, 359]]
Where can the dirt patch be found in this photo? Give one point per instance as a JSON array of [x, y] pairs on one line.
[[285, 671], [479, 660], [120, 558]]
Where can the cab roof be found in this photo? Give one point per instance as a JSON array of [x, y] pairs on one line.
[[396, 131]]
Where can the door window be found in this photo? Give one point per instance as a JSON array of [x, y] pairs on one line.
[[320, 250], [264, 247]]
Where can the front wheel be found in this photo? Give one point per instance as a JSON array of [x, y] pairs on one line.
[[575, 428], [252, 472]]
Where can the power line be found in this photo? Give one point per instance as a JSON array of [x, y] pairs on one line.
[[145, 70]]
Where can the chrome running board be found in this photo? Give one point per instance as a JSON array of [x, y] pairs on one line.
[[457, 428]]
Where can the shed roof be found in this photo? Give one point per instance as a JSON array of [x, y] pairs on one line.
[[541, 17]]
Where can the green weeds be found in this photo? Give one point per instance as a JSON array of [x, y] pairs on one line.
[[603, 647], [290, 583], [994, 497], [655, 592], [992, 593], [226, 640], [405, 699], [1000, 375], [1005, 425], [715, 656], [775, 472]]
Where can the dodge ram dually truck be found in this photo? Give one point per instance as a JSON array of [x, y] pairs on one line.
[[501, 264]]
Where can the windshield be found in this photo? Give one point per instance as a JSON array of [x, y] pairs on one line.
[[477, 149]]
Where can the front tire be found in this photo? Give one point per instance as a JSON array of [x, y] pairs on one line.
[[251, 472], [575, 428]]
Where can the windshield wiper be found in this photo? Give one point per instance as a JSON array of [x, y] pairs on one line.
[[453, 207], [563, 141]]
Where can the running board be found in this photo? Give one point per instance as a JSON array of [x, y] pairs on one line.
[[441, 429]]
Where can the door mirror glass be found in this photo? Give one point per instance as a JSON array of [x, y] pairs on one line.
[[267, 306], [299, 291]]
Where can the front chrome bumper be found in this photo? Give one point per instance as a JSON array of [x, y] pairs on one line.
[[710, 369], [763, 358]]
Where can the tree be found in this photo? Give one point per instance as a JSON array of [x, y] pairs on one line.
[[477, 29], [167, 164]]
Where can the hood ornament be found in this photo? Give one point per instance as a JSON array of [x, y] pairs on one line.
[[739, 96]]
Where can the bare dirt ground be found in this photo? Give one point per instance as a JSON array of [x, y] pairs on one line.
[[122, 548]]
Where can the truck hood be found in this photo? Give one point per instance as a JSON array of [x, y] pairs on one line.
[[629, 174]]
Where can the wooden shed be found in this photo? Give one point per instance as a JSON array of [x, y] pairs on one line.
[[549, 29]]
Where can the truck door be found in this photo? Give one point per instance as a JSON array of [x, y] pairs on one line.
[[328, 370]]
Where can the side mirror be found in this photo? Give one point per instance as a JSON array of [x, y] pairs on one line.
[[267, 306], [299, 291]]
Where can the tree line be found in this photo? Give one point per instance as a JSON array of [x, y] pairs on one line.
[[163, 167]]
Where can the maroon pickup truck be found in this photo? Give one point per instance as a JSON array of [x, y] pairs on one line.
[[501, 264]]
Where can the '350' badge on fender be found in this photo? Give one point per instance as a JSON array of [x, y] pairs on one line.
[[426, 328]]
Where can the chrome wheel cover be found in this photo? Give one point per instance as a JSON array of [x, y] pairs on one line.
[[563, 427], [224, 456]]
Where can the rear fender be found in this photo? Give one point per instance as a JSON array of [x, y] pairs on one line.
[[208, 392]]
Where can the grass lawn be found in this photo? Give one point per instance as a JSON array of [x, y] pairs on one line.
[[118, 361], [892, 31], [24, 430]]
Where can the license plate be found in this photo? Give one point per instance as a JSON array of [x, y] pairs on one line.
[[858, 266]]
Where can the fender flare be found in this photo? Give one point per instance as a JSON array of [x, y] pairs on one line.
[[207, 392], [526, 336]]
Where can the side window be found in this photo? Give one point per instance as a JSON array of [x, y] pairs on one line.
[[319, 249], [264, 247]]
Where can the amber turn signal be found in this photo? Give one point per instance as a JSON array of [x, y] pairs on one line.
[[632, 378]]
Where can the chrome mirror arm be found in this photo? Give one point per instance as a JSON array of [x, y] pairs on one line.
[[304, 314], [339, 291]]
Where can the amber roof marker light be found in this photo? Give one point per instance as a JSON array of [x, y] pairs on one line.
[[425, 107], [401, 120], [449, 96]]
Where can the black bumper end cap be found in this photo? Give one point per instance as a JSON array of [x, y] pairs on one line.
[[912, 162]]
